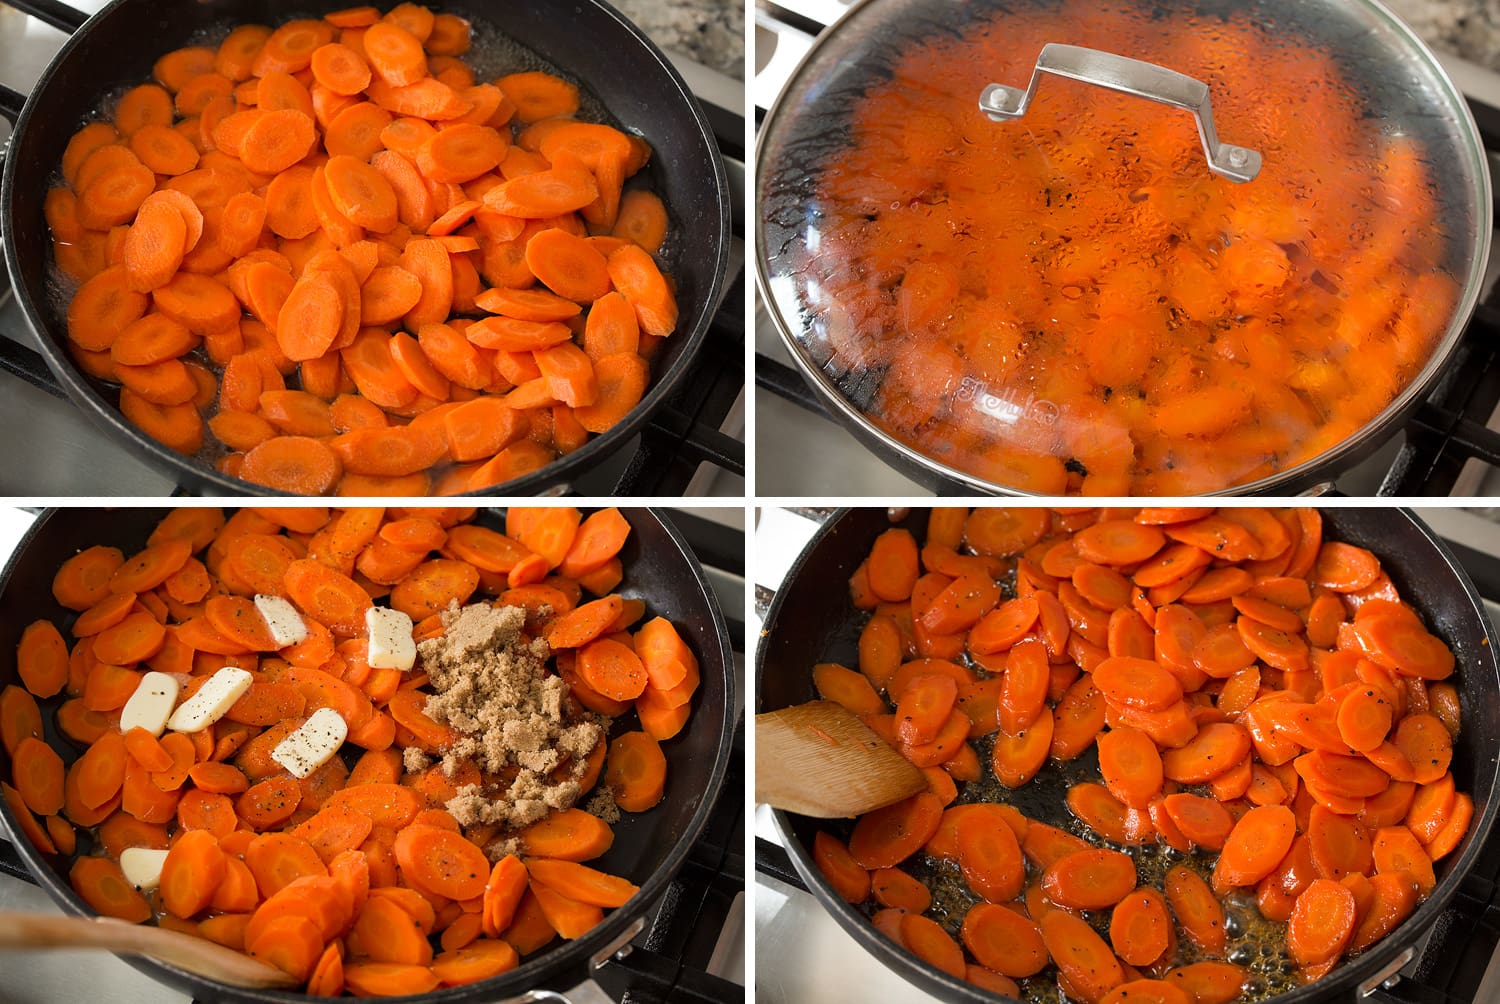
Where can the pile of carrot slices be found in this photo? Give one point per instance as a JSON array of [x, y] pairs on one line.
[[354, 877], [330, 258], [1260, 701]]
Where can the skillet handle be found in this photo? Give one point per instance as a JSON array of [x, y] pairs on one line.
[[29, 365], [11, 103], [587, 992]]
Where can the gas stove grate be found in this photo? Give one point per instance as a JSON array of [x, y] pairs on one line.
[[682, 434]]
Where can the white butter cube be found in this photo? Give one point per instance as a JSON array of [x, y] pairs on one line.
[[391, 644], [286, 624], [314, 744], [212, 701], [142, 866], [151, 704]]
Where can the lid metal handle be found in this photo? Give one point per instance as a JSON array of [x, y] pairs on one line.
[[1129, 76]]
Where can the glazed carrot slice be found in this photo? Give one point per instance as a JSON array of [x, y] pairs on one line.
[[1261, 837], [642, 219], [1004, 941], [1216, 748], [340, 69], [442, 861], [1091, 879], [1082, 957], [1401, 643], [1197, 910], [388, 979], [1322, 923], [1131, 765], [1118, 542], [1016, 759], [1140, 927], [990, 857], [38, 774], [1140, 683], [924, 709], [554, 192], [892, 887], [504, 892], [191, 872], [1344, 568], [1203, 821], [932, 944], [888, 836]]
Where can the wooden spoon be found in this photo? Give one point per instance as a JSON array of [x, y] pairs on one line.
[[818, 759], [33, 931]]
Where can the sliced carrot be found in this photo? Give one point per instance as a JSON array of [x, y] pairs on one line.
[[1140, 927], [636, 769], [1131, 765], [539, 95], [42, 658], [103, 886], [990, 857], [1261, 837], [1083, 957]]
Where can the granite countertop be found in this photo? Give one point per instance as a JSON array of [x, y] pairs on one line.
[[1467, 28], [711, 32]]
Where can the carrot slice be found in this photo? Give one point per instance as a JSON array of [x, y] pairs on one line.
[[294, 464], [990, 857], [1004, 940], [42, 659], [1082, 957], [103, 886], [538, 95], [1259, 841], [1140, 927], [636, 769], [886, 837], [1322, 923]]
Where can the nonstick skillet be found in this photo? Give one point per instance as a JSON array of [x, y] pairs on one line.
[[811, 620], [586, 40], [649, 847]]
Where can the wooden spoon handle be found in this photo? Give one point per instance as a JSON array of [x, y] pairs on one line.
[[34, 931]]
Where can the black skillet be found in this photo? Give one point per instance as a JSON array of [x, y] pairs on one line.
[[649, 847], [587, 40], [811, 620]]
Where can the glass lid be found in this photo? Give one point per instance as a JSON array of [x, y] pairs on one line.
[[1121, 247]]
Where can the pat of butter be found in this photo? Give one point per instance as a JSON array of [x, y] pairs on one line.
[[212, 701], [312, 745], [151, 704], [391, 644], [286, 624]]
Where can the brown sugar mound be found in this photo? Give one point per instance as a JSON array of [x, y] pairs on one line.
[[491, 685]]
